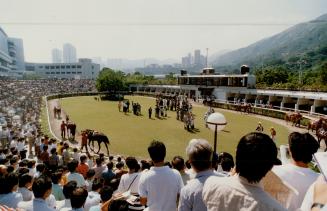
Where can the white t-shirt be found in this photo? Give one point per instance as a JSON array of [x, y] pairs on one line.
[[126, 181], [160, 185], [77, 178], [298, 178]]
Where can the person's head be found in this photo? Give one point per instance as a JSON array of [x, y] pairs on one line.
[[14, 161], [98, 161], [227, 164], [145, 165], [83, 158], [97, 184], [111, 158], [69, 188], [10, 183], [118, 205], [23, 163], [132, 164], [31, 164], [302, 146], [256, 154], [106, 193], [119, 165], [110, 165], [178, 163], [56, 177], [90, 174], [72, 165], [75, 149], [78, 198], [25, 180], [40, 167], [157, 151], [53, 151], [199, 153], [42, 187]]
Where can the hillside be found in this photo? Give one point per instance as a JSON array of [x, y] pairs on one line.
[[290, 45]]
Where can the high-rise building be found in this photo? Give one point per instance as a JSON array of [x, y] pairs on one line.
[[69, 53], [11, 55], [197, 57], [56, 55]]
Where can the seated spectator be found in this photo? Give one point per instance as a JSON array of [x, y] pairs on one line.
[[25, 184], [179, 164], [82, 166], [99, 168], [89, 179], [120, 170], [78, 198], [8, 194], [93, 197], [130, 181], [109, 174], [199, 154], [41, 189], [159, 187], [256, 154], [297, 173], [73, 175], [105, 195], [57, 191]]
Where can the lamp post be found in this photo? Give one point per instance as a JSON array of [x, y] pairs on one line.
[[216, 122]]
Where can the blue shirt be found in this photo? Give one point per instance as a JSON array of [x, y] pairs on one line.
[[11, 199], [57, 192]]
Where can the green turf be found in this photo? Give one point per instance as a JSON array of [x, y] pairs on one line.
[[130, 134]]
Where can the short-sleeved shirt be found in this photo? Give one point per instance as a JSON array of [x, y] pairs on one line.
[[11, 199], [83, 168], [77, 178], [160, 185]]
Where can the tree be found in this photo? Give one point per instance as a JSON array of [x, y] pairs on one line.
[[109, 80]]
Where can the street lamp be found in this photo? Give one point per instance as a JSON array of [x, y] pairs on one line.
[[216, 122]]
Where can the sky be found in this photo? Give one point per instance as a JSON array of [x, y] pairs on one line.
[[137, 29]]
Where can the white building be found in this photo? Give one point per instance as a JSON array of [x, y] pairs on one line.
[[83, 69], [69, 53], [56, 55], [11, 55]]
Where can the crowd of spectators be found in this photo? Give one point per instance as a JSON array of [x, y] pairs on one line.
[[40, 173]]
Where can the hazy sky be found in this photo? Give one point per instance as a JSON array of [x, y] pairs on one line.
[[137, 29]]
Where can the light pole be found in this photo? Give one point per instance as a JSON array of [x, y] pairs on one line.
[[216, 122]]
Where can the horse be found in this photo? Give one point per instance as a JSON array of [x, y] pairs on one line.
[[295, 118], [315, 125], [71, 129], [57, 112], [99, 137], [246, 108]]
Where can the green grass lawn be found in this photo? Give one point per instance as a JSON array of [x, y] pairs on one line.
[[130, 134]]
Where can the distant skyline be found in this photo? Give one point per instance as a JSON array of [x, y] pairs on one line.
[[138, 29]]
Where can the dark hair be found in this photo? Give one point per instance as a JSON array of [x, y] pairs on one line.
[[157, 151], [24, 179], [83, 158], [23, 163], [10, 181], [132, 163], [118, 205], [97, 184], [13, 160], [55, 177], [111, 157], [78, 197], [40, 167], [145, 165], [302, 146], [72, 165], [98, 161], [224, 155], [227, 164], [40, 186], [31, 163], [69, 188], [90, 173], [45, 147], [106, 193], [119, 165], [178, 163], [110, 165], [53, 150], [256, 154], [114, 183]]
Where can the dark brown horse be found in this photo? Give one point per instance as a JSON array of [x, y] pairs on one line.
[[316, 124], [322, 135], [295, 118], [246, 108], [98, 137]]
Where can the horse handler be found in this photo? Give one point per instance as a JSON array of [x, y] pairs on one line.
[[84, 141]]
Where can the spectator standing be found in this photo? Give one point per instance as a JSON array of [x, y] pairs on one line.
[[130, 181], [8, 194], [99, 168], [25, 183], [256, 154], [199, 154], [82, 166], [297, 173], [151, 189], [73, 175], [179, 164], [57, 191], [109, 174]]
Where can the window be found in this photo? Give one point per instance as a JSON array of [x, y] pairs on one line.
[[73, 72], [79, 66], [57, 72], [67, 72], [52, 73], [79, 72], [41, 67], [62, 66], [47, 73], [73, 66], [52, 67], [57, 67], [62, 72], [46, 67], [67, 66]]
